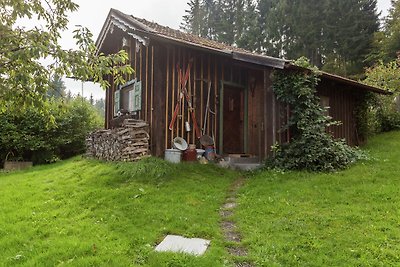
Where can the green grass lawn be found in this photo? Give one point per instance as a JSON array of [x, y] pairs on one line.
[[87, 213], [349, 218]]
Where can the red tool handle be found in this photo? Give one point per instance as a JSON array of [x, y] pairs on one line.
[[174, 116], [196, 128]]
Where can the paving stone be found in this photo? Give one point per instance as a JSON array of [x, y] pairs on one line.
[[175, 243], [237, 251], [229, 205], [225, 213]]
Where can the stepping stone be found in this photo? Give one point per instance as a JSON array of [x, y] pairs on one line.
[[225, 213], [175, 243], [229, 205]]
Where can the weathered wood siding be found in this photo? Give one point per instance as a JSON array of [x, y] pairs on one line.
[[262, 116], [342, 107]]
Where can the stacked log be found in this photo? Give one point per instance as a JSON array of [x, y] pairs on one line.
[[130, 142]]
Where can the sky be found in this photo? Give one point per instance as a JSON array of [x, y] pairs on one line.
[[92, 14]]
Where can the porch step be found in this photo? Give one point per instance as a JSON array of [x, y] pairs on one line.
[[243, 162]]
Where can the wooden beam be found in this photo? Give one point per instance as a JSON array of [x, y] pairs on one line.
[[183, 102], [209, 79], [147, 85], [202, 92], [134, 50], [194, 96], [173, 91], [151, 93], [166, 101], [214, 134]]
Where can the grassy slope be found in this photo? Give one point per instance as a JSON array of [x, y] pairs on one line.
[[350, 218], [87, 213]]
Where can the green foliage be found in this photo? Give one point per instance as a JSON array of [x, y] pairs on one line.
[[336, 35], [311, 147], [384, 110], [24, 79], [100, 107], [45, 137], [56, 88], [228, 21], [386, 46]]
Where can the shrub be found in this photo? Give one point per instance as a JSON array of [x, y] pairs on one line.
[[45, 137], [383, 112], [310, 148]]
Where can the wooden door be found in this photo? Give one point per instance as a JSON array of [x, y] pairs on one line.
[[233, 120]]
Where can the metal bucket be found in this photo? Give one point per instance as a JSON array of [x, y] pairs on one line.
[[180, 143], [173, 155]]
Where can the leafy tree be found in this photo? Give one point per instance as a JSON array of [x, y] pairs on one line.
[[29, 136], [23, 77], [384, 114], [387, 42]]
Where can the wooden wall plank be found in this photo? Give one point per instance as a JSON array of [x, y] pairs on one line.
[[166, 100]]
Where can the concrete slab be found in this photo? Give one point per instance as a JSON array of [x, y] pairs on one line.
[[175, 243]]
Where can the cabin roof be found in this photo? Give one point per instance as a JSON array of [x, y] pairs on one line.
[[144, 30]]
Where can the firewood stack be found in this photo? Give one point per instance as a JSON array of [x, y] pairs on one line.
[[127, 143]]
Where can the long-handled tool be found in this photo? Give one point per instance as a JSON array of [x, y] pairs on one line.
[[182, 81], [207, 108], [191, 110], [183, 92]]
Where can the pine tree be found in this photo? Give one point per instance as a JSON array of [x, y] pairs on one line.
[[392, 32], [250, 31], [193, 20], [350, 28], [56, 88]]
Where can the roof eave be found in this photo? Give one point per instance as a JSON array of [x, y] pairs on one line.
[[343, 80]]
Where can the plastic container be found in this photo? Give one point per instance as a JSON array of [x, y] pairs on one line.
[[173, 155], [200, 153], [210, 153]]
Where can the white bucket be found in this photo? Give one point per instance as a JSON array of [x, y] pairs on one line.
[[200, 152], [173, 155]]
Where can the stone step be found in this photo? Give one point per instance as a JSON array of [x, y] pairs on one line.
[[233, 159], [246, 166]]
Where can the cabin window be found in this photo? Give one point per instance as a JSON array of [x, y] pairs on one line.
[[128, 98], [324, 102], [116, 102]]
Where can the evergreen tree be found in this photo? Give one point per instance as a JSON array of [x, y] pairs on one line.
[[349, 30], [193, 20], [335, 35], [56, 88], [250, 31], [201, 18], [100, 107], [270, 27], [391, 44]]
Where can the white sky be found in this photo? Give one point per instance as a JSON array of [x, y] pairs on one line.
[[92, 14]]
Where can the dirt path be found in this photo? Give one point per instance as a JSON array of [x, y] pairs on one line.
[[228, 227]]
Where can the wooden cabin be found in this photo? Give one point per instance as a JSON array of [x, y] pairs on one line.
[[243, 115]]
